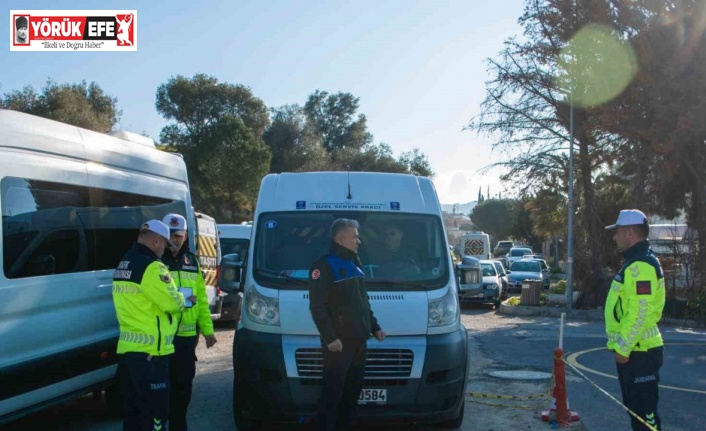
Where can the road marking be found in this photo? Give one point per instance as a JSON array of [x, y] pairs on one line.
[[572, 359]]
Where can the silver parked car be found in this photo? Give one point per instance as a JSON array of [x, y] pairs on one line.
[[516, 253], [521, 270], [543, 265]]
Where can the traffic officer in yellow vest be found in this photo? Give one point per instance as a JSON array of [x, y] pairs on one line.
[[184, 268], [632, 310], [148, 305]]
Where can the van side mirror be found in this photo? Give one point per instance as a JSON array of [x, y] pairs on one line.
[[229, 280]]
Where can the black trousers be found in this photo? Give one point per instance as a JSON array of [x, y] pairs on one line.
[[145, 383], [639, 379], [342, 382], [182, 369]]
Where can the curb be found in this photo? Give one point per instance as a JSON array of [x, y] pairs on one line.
[[529, 310], [590, 315]]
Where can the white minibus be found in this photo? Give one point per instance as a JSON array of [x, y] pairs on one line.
[[72, 201], [418, 373]]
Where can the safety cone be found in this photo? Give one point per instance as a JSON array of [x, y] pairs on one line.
[[559, 405], [550, 415]]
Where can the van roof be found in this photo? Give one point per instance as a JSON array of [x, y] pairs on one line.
[[347, 191], [31, 133]]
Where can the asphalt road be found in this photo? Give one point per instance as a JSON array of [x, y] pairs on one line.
[[498, 343], [530, 345]]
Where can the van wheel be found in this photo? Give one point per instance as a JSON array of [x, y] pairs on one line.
[[242, 423], [456, 422]]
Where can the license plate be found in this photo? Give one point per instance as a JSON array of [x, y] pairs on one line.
[[480, 295], [373, 396]]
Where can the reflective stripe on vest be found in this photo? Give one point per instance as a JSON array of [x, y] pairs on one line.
[[126, 288], [134, 337], [187, 327]]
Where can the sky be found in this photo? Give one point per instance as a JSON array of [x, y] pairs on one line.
[[418, 67]]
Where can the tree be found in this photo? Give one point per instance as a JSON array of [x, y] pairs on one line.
[[417, 163], [522, 226], [82, 105], [333, 118], [230, 168], [218, 127], [294, 145], [494, 217], [529, 105]]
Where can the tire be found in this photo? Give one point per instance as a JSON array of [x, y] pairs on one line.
[[242, 423], [456, 422]]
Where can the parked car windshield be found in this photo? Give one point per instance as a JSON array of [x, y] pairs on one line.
[[488, 269], [398, 251], [525, 266]]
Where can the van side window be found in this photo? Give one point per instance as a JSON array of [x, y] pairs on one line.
[[58, 253], [114, 220], [55, 228]]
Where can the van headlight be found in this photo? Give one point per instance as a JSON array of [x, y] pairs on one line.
[[261, 309], [444, 311], [490, 287]]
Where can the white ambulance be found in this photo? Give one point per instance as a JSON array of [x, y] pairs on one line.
[[72, 202], [419, 372]]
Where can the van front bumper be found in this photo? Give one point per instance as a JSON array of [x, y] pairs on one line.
[[264, 391]]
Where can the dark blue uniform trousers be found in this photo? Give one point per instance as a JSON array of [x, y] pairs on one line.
[[145, 384], [639, 380], [342, 382], [182, 369]]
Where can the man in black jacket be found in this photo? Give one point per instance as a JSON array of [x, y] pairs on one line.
[[341, 311]]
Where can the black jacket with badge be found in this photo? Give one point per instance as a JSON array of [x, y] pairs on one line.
[[338, 299]]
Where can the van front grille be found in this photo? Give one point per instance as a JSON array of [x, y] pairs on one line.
[[379, 363]]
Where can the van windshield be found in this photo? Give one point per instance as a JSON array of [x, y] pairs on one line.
[[398, 251]]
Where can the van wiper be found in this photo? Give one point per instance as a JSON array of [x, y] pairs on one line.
[[282, 274]]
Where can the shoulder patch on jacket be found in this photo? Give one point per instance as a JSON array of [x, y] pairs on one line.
[[644, 288], [165, 277]]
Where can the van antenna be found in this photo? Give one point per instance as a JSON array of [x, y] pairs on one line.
[[349, 187]]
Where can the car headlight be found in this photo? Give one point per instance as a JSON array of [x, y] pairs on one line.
[[490, 286], [444, 311], [261, 309]]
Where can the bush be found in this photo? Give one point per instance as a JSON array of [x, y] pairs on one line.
[[515, 300], [559, 288], [543, 299], [556, 270], [696, 308]]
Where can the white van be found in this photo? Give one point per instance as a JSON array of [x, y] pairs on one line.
[[475, 244], [72, 201], [418, 374], [235, 238], [208, 251]]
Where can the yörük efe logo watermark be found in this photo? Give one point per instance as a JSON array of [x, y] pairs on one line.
[[73, 30]]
